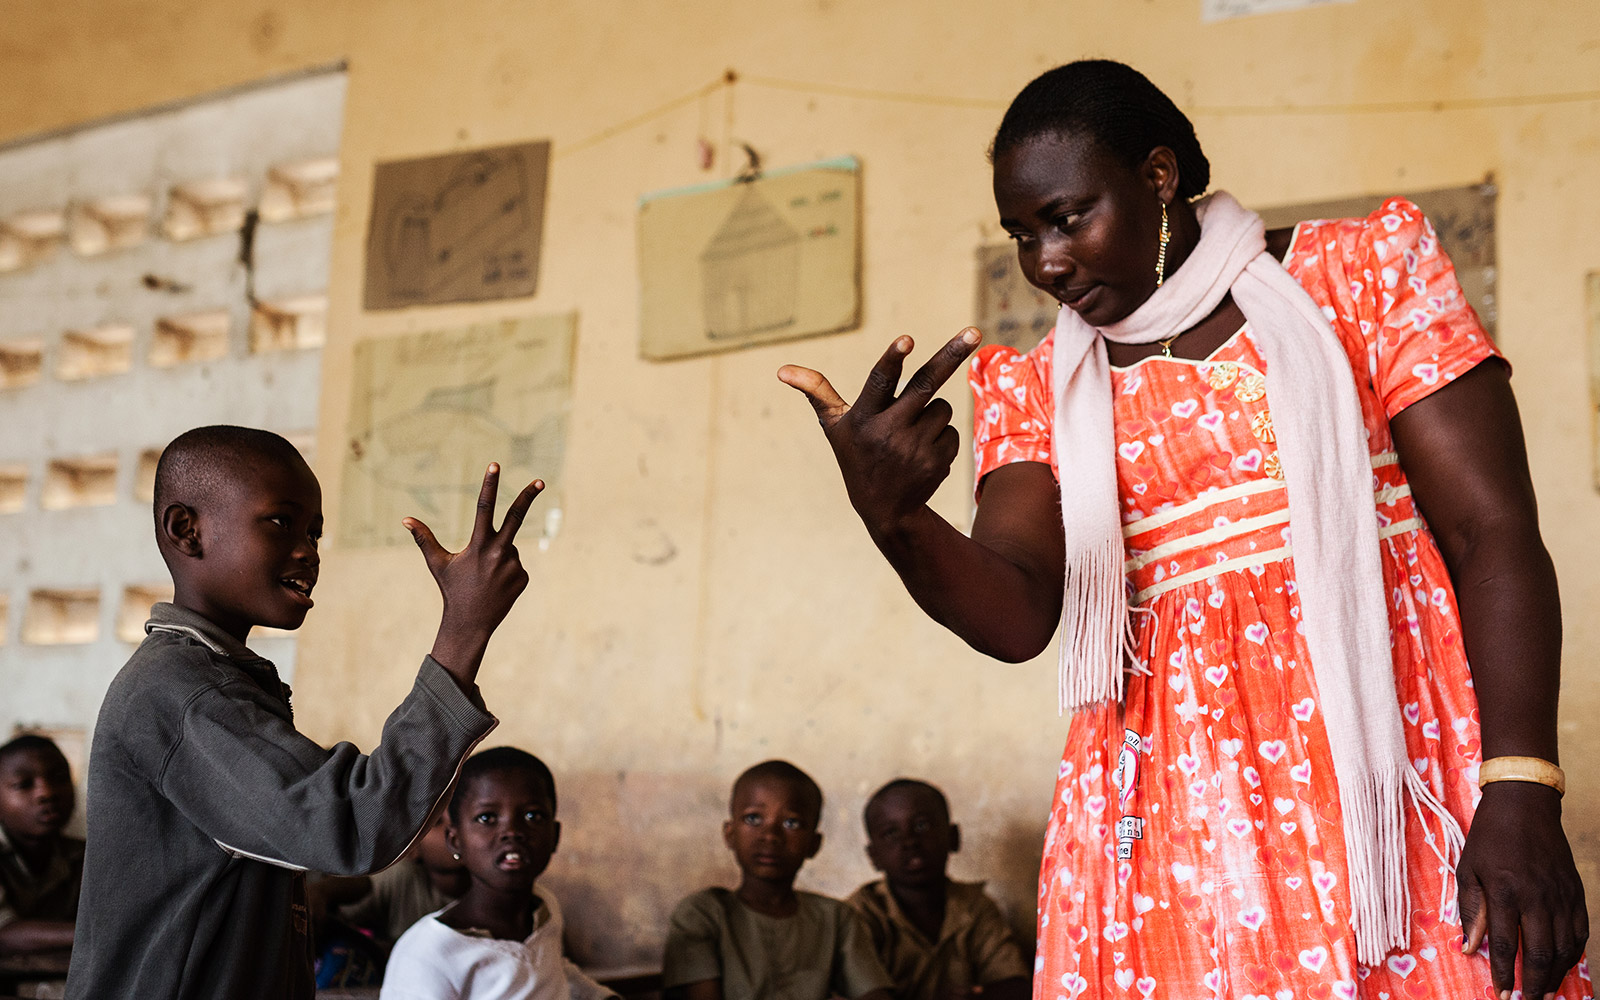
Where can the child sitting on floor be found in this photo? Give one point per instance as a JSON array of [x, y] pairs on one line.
[[40, 868], [938, 939], [502, 939], [764, 940], [206, 805]]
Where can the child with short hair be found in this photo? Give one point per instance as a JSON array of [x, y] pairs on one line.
[[938, 939], [41, 868], [206, 805], [764, 940], [502, 939]]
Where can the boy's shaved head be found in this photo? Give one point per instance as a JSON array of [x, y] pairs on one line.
[[782, 770], [199, 462], [905, 784], [495, 760], [30, 742]]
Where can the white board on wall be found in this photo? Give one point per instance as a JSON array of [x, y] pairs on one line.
[[1224, 10]]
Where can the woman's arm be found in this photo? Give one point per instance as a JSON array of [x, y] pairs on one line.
[[1000, 589], [1463, 453]]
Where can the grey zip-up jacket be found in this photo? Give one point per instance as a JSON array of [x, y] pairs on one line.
[[206, 807]]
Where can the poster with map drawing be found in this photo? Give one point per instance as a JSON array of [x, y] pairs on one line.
[[429, 411], [748, 262], [461, 227]]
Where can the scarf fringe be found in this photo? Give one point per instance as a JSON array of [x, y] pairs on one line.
[[1375, 851], [1097, 632]]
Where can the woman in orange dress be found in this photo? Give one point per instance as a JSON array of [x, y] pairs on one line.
[[1250, 803]]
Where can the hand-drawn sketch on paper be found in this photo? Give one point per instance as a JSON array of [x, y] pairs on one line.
[[429, 411], [1463, 218], [747, 262], [1010, 310], [1223, 10], [462, 227]]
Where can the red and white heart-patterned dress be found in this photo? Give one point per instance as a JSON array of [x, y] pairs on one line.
[[1195, 846]]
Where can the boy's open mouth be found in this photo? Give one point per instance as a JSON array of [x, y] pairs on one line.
[[299, 587]]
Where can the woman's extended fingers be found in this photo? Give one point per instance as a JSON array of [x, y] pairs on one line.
[[884, 378], [936, 371], [518, 512], [830, 406]]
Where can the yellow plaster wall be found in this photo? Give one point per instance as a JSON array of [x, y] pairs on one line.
[[774, 629]]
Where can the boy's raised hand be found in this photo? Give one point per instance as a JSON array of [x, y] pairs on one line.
[[893, 451], [481, 582]]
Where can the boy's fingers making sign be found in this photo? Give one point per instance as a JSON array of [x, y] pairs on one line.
[[482, 581], [893, 451]]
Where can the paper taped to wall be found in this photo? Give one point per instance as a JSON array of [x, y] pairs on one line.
[[462, 227], [430, 411], [728, 265], [1223, 10]]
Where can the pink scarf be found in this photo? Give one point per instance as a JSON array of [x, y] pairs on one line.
[[1322, 444]]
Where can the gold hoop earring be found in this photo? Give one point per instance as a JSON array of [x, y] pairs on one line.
[[1161, 255]]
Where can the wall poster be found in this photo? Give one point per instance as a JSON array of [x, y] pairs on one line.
[[737, 263], [430, 411]]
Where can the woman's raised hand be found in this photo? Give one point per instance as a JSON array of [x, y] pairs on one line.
[[893, 451]]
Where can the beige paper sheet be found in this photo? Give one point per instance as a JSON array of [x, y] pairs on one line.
[[461, 227], [430, 411], [730, 265]]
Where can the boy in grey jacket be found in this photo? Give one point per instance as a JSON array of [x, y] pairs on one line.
[[206, 806]]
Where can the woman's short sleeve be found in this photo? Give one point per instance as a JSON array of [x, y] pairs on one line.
[[1012, 408], [1426, 334]]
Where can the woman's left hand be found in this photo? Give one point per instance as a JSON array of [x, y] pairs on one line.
[[1518, 885]]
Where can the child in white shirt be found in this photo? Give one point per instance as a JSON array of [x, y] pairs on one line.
[[502, 940]]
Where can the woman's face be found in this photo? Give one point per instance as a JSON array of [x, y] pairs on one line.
[[1087, 226]]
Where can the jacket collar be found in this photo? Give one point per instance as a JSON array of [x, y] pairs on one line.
[[165, 617]]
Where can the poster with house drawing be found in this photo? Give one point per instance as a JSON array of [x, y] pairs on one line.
[[430, 411], [461, 227], [747, 262]]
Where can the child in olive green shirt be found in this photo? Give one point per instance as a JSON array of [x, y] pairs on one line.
[[764, 940]]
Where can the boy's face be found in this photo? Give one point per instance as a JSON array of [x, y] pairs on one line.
[[506, 830], [772, 830], [36, 796], [910, 837], [257, 538]]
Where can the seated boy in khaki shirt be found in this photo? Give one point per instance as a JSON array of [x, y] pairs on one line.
[[764, 940], [938, 939]]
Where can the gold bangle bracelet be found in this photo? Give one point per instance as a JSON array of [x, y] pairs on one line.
[[1533, 769]]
